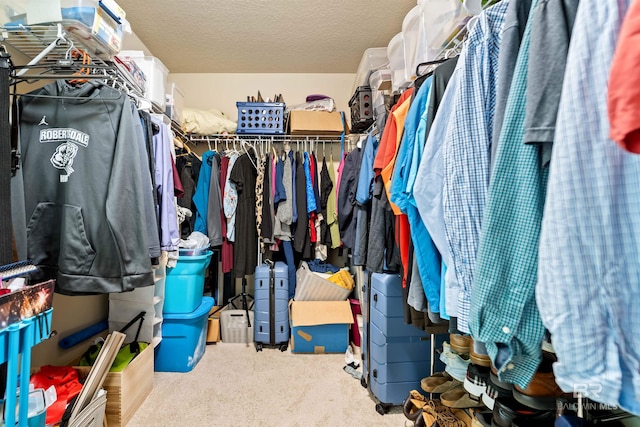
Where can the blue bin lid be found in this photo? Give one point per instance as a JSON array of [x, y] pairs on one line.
[[202, 310]]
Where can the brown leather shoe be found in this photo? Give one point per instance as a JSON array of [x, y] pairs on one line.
[[542, 391], [477, 358], [461, 344]]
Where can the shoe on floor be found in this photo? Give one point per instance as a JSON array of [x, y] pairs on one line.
[[426, 420], [429, 383], [412, 406], [507, 409], [447, 419], [542, 391], [459, 398], [476, 380], [461, 344]]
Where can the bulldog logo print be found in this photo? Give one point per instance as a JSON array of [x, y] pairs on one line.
[[63, 157]]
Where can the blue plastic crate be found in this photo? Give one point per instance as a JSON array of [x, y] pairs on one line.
[[184, 338], [184, 285], [263, 118]]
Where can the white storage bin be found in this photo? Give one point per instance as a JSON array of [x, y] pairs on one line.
[[373, 59], [174, 103], [88, 20], [312, 286], [233, 326], [397, 64], [413, 33], [155, 73], [442, 20]]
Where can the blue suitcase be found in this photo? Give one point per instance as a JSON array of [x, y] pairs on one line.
[[271, 306], [396, 356]]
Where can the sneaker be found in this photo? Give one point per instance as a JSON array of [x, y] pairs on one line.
[[476, 379]]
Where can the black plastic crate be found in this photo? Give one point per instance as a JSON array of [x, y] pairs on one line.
[[361, 109], [264, 118]]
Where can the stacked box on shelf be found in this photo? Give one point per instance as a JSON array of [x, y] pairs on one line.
[[261, 118]]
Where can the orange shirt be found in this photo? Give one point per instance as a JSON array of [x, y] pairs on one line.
[[390, 142], [624, 84]]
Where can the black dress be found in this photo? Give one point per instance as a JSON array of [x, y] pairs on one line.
[[244, 175]]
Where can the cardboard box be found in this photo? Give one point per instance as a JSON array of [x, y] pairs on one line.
[[127, 390], [315, 123], [213, 331], [320, 326]]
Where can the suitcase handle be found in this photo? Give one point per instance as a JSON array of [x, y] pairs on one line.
[[375, 297], [375, 373]]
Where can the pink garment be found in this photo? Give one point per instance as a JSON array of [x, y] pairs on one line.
[[339, 177]]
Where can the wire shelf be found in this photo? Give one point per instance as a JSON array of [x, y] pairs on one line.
[[32, 40]]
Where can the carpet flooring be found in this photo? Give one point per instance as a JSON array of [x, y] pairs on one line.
[[233, 385]]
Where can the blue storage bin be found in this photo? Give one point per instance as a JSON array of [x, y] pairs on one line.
[[184, 338], [265, 118], [185, 284]]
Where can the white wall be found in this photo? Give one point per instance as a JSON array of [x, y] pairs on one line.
[[222, 91]]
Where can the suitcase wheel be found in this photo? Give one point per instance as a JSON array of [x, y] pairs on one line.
[[363, 382], [258, 346], [382, 409], [283, 347]]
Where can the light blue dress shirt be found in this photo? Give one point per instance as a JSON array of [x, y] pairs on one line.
[[588, 287], [467, 149], [427, 189], [426, 254]]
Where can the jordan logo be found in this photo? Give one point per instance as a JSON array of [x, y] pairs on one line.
[[43, 121]]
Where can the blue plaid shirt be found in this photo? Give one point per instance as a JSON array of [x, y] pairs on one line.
[[589, 257], [504, 314], [467, 149]]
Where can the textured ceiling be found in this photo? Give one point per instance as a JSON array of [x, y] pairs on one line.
[[264, 36]]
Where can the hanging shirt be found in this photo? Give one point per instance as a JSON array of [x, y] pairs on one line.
[[624, 84], [550, 34], [427, 190], [588, 275], [294, 195], [332, 213], [226, 252], [386, 157], [427, 256], [466, 150], [214, 210], [230, 201], [311, 198], [504, 314], [512, 31], [365, 177], [201, 195]]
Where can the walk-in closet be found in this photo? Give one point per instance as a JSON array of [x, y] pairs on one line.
[[385, 213]]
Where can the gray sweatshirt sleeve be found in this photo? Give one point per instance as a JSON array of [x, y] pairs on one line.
[[214, 208], [125, 214], [147, 194]]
